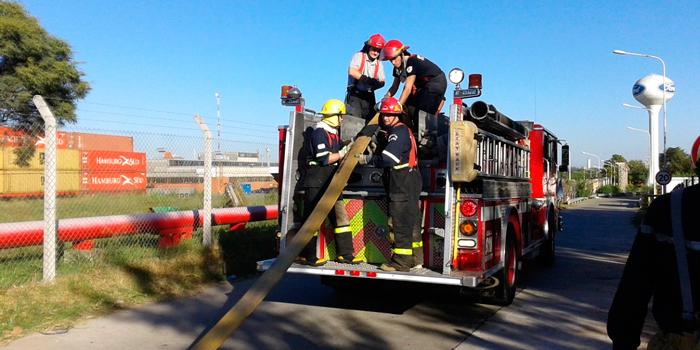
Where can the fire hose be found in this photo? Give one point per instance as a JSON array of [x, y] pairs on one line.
[[234, 317]]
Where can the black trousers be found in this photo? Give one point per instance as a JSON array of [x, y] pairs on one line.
[[361, 104], [404, 193]]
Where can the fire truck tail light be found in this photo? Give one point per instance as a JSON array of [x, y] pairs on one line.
[[340, 272], [466, 243], [467, 228], [475, 81], [355, 273], [285, 91], [468, 207]]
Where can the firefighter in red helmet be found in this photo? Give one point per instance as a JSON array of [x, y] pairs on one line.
[[399, 159], [664, 262], [424, 82], [365, 75]]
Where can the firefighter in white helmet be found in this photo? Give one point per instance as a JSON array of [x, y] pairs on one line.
[[652, 269], [365, 76], [323, 150]]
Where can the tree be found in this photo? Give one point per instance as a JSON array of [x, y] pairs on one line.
[[616, 158], [637, 172], [679, 163], [34, 62]]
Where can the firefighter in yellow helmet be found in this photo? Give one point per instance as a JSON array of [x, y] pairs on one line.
[[323, 151], [664, 262]]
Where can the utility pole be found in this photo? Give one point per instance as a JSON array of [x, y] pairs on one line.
[[218, 123]]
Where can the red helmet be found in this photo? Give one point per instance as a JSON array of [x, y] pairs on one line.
[[695, 153], [392, 49], [376, 40], [390, 106]]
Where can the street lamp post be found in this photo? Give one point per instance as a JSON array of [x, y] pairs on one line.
[[650, 176], [612, 172]]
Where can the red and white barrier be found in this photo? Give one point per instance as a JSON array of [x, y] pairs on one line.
[[172, 227]]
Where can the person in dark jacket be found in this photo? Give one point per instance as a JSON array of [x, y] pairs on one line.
[[399, 159], [324, 151], [652, 271], [424, 82]]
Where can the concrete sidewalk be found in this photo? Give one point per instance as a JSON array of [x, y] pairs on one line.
[[165, 325]]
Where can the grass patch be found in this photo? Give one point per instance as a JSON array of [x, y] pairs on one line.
[[118, 272], [103, 204], [113, 280]]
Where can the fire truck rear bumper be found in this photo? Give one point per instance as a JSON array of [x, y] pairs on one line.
[[370, 271]]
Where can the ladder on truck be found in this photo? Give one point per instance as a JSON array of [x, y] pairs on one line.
[[498, 157]]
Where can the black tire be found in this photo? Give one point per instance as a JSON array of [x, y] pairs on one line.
[[509, 275], [548, 248]]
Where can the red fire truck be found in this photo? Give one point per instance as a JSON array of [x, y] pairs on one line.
[[489, 197]]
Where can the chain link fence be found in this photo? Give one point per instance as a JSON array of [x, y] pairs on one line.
[[122, 193]]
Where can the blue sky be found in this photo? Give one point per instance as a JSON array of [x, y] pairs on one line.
[[548, 61]]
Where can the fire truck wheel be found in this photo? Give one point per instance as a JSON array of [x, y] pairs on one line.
[[509, 275], [548, 248]]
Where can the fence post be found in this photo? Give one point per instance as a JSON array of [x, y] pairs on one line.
[[49, 258], [206, 225]]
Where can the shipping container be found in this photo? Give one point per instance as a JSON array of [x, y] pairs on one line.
[[13, 138], [100, 142], [92, 161], [66, 159], [114, 181], [31, 182]]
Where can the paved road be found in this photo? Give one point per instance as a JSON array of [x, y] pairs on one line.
[[560, 307]]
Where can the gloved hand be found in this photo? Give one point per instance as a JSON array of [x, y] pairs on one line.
[[365, 80], [363, 159], [343, 151], [372, 147], [376, 84]]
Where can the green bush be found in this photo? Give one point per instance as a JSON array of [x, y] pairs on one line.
[[583, 189], [241, 250], [611, 190]]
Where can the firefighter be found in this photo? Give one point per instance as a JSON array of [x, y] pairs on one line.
[[365, 75], [651, 270], [399, 159], [424, 82], [324, 151]]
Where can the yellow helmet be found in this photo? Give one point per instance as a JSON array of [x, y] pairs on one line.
[[333, 107]]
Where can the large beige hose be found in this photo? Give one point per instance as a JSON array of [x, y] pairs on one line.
[[255, 295]]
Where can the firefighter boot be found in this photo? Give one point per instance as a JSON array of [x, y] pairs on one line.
[[417, 255], [309, 253], [398, 262], [343, 244]]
